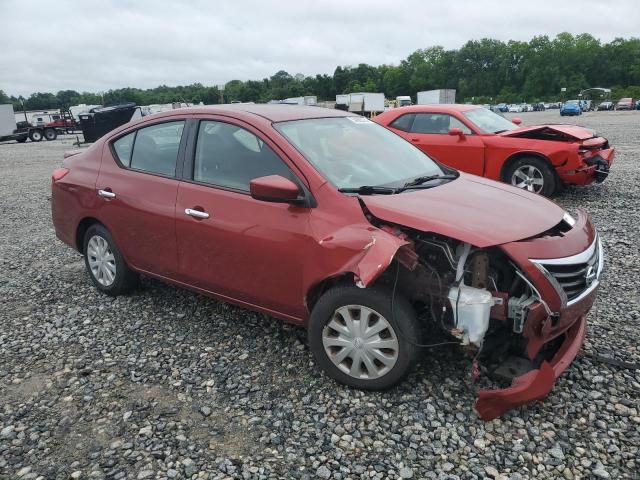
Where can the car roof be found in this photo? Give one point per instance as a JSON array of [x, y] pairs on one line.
[[273, 112]]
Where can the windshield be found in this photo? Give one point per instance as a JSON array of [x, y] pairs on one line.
[[352, 151], [488, 121], [572, 102]]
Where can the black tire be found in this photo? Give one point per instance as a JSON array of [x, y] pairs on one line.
[[50, 134], [125, 279], [35, 135], [548, 174], [402, 321]]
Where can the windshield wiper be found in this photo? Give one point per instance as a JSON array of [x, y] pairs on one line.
[[419, 181], [369, 190]]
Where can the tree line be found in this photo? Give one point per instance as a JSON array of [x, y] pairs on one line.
[[482, 71]]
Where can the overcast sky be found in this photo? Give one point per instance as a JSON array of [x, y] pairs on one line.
[[101, 45]]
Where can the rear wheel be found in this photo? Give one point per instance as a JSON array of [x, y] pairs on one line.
[[35, 135], [105, 264], [532, 174], [358, 340], [50, 134]]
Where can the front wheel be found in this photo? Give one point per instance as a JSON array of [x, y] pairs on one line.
[[532, 174], [358, 340], [105, 264]]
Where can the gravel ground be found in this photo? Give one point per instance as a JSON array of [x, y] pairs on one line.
[[169, 384]]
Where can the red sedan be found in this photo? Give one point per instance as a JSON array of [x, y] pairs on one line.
[[539, 158], [328, 220]]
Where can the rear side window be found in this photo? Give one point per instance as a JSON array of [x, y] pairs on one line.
[[403, 122], [155, 148], [123, 148], [230, 156]]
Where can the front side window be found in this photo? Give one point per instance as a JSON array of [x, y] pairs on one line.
[[353, 151], [231, 156], [155, 148], [437, 123]]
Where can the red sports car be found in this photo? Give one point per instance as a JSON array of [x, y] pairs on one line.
[[539, 158], [325, 219]]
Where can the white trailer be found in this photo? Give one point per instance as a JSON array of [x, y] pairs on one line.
[[310, 100], [7, 120], [437, 96], [361, 102]]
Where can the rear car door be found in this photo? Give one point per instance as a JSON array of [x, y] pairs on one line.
[[137, 186], [233, 245], [430, 133]]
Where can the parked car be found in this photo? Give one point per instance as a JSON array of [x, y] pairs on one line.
[[606, 105], [538, 158], [571, 107], [625, 104], [502, 107], [637, 104], [539, 107], [515, 108], [295, 212]]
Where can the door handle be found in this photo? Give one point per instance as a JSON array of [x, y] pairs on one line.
[[196, 213], [106, 194], [415, 139]]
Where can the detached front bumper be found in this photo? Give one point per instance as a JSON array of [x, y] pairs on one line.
[[535, 384], [596, 169]]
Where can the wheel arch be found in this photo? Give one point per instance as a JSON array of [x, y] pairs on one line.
[[81, 230], [317, 290], [514, 157]]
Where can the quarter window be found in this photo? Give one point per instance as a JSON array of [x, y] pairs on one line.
[[123, 147], [155, 148], [437, 123], [231, 156]]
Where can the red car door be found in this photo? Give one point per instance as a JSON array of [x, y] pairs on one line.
[[430, 133], [229, 243], [138, 190]]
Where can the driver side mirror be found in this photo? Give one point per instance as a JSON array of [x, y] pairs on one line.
[[274, 188], [455, 131], [517, 121]]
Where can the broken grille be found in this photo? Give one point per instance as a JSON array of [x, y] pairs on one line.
[[575, 275]]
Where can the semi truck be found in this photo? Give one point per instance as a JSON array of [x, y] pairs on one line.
[[428, 97], [364, 103]]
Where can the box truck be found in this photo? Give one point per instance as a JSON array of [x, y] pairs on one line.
[[437, 96], [403, 101]]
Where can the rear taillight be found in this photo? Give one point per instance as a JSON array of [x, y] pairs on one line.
[[58, 174]]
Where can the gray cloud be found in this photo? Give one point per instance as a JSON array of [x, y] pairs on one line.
[[95, 46]]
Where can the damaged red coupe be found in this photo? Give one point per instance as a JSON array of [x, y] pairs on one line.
[[328, 220], [473, 139]]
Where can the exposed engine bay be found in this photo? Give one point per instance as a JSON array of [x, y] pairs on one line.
[[474, 296]]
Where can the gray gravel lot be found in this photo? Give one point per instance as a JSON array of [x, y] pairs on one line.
[[169, 384]]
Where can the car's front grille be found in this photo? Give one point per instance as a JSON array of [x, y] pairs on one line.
[[574, 275]]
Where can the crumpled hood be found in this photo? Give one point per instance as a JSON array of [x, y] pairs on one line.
[[574, 131], [470, 209]]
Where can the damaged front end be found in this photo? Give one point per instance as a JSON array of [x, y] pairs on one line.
[[522, 321]]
